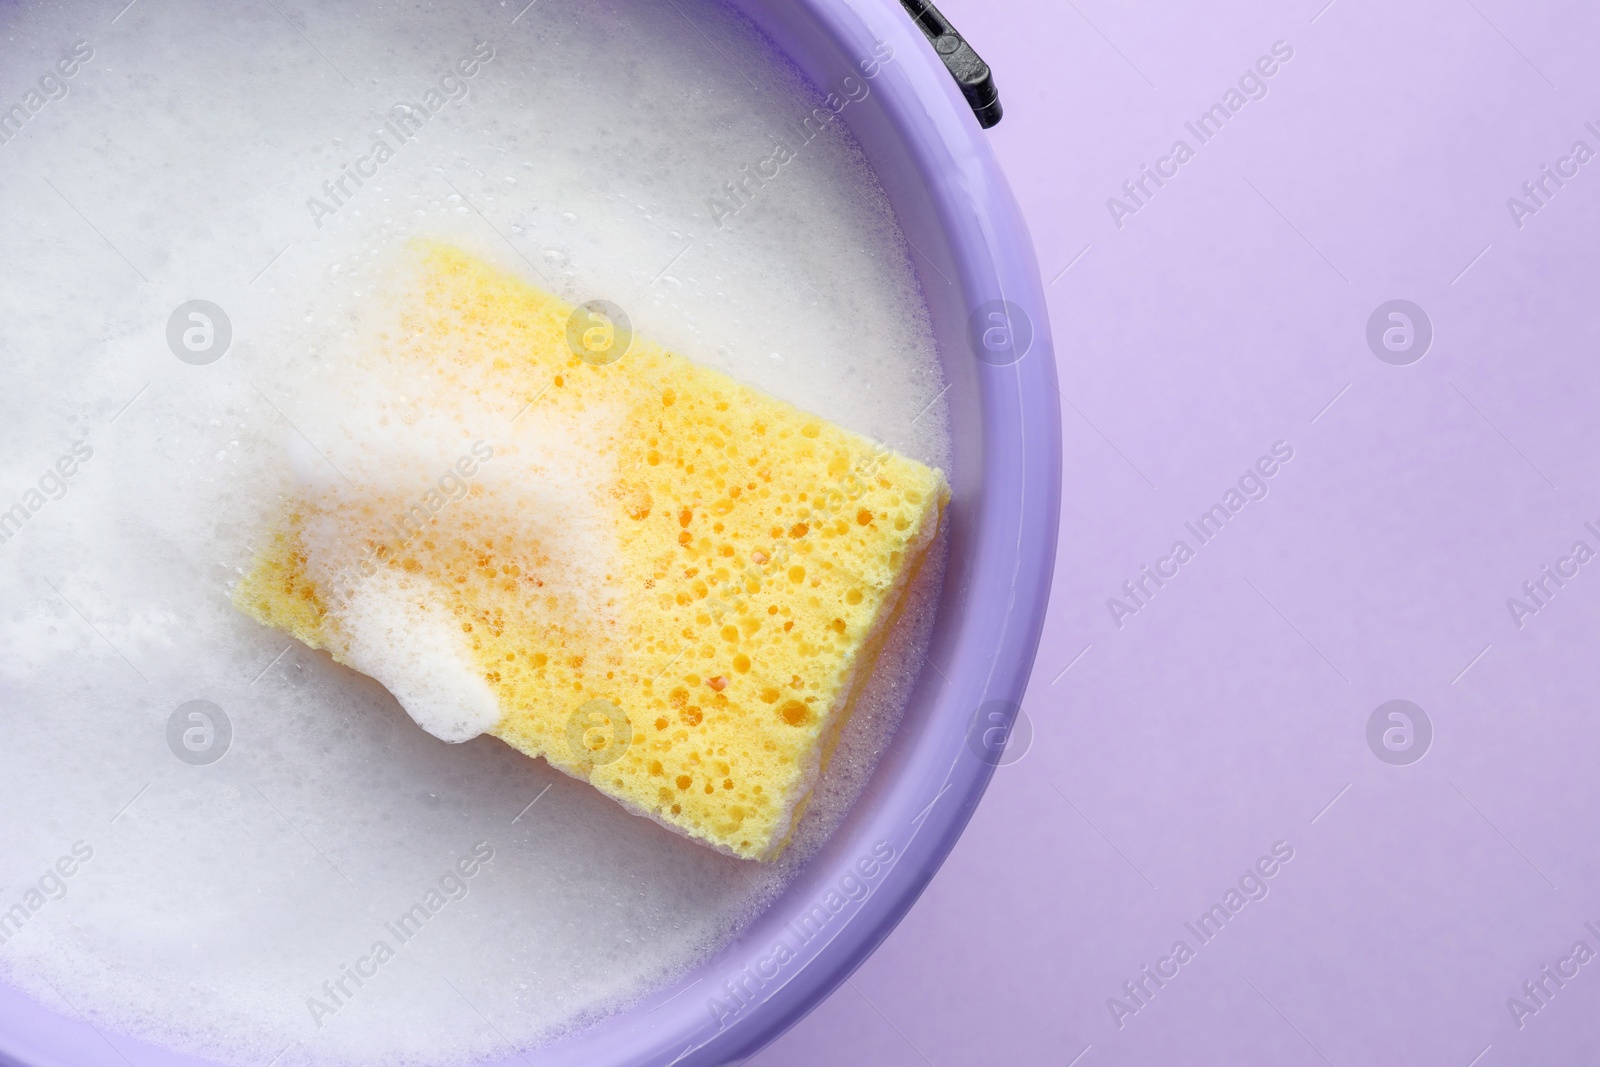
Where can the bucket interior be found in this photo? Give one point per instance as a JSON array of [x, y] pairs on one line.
[[971, 253]]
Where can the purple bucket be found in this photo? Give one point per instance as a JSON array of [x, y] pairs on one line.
[[982, 285]]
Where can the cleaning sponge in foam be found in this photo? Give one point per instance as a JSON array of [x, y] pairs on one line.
[[662, 581]]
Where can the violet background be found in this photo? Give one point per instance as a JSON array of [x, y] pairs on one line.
[[1169, 755]]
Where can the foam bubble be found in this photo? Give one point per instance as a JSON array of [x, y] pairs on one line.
[[410, 640]]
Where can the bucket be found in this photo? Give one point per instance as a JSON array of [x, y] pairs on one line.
[[978, 272]]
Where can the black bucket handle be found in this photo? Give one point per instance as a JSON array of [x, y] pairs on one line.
[[969, 70]]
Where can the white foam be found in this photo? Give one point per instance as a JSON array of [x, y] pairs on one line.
[[401, 463], [411, 642], [179, 163]]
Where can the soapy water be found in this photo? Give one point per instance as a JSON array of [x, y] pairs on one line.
[[339, 886]]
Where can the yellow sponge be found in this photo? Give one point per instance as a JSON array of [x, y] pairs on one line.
[[741, 562]]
